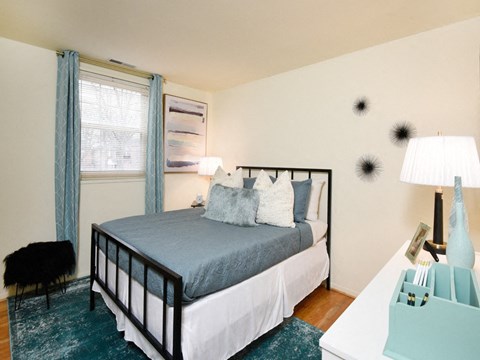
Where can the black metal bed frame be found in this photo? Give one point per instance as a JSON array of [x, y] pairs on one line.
[[168, 275], [309, 172], [147, 262]]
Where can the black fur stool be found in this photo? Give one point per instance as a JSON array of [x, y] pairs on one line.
[[39, 263]]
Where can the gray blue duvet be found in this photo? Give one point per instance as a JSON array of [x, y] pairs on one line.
[[209, 255]]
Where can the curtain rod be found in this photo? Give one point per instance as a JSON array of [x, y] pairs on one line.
[[108, 65]]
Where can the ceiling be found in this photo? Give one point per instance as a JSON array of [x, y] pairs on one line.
[[217, 44]]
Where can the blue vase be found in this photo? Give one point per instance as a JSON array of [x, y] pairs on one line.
[[460, 251]]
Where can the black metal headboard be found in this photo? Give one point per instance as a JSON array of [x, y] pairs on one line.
[[302, 174]]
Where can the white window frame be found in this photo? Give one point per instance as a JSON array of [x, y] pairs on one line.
[[122, 79]]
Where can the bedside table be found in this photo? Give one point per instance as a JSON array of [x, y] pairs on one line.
[[196, 205]]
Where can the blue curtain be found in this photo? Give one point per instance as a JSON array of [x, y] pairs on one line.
[[154, 166], [67, 148]]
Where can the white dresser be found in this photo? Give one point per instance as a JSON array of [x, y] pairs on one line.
[[362, 330]]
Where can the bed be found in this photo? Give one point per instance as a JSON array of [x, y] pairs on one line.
[[178, 314]]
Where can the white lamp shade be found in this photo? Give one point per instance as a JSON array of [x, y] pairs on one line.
[[208, 165], [437, 160]]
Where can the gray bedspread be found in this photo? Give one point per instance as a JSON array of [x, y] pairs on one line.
[[209, 255]]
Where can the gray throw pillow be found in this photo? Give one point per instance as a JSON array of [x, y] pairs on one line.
[[236, 206]]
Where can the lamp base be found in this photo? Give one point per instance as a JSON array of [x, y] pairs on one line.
[[439, 248]]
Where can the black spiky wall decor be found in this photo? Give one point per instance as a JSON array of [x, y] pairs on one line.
[[361, 106], [368, 168], [401, 132]]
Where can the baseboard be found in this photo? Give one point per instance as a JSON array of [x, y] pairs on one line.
[[345, 291]]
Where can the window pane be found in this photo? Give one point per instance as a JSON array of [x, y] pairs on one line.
[[109, 150], [114, 117]]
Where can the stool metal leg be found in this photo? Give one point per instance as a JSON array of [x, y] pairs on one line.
[[21, 296], [16, 293], [64, 287]]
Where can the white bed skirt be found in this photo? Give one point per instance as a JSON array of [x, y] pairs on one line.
[[221, 324]]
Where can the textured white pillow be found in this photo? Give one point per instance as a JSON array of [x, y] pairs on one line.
[[314, 200], [276, 200], [221, 177]]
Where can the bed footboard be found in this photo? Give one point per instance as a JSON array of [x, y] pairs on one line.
[[169, 277]]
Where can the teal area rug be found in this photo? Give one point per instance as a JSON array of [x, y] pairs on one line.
[[293, 339], [69, 330]]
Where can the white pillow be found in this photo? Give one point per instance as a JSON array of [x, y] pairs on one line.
[[314, 200], [221, 177], [276, 200], [319, 229]]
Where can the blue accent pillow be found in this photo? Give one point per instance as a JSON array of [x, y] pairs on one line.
[[236, 206], [301, 191], [249, 182]]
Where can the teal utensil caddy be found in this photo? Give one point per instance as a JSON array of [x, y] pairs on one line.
[[446, 327]]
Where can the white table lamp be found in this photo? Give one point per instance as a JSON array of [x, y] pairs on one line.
[[208, 165], [436, 161]]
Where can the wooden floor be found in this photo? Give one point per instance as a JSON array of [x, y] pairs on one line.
[[4, 338], [321, 308]]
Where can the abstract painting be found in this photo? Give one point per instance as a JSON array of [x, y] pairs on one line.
[[185, 133]]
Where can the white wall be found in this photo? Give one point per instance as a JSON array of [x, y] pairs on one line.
[[27, 130], [27, 141], [304, 118]]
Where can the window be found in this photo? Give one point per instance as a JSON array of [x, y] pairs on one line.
[[114, 126]]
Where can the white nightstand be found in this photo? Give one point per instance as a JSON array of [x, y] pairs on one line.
[[362, 330]]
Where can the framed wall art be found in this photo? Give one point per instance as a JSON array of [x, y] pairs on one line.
[[185, 134]]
